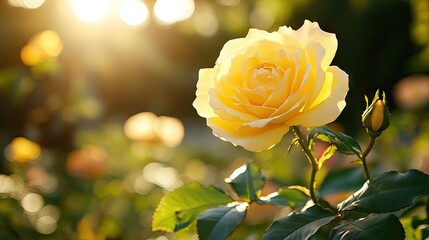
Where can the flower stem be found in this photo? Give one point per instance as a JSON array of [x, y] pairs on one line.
[[313, 162], [363, 157]]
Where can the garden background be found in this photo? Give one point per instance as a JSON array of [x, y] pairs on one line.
[[75, 165]]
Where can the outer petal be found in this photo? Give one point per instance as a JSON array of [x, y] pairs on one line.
[[236, 44], [252, 139], [201, 102], [311, 32], [329, 109]]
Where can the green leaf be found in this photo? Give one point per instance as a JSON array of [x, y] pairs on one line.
[[344, 180], [389, 192], [285, 197], [329, 152], [344, 143], [293, 143], [299, 225], [218, 223], [247, 181], [421, 227], [373, 227], [181, 207], [410, 232]]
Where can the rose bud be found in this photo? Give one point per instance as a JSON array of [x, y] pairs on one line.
[[376, 117]]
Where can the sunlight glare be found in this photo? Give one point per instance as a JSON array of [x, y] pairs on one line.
[[133, 12], [89, 11], [236, 173], [171, 11]]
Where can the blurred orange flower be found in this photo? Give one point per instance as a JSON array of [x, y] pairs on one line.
[[88, 162]]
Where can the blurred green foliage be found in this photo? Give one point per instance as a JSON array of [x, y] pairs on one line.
[[108, 72]]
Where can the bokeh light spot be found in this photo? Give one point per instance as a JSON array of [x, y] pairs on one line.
[[32, 202], [52, 211], [46, 224], [170, 130], [41, 48], [228, 2], [29, 4], [261, 18], [412, 92], [6, 184], [89, 11], [38, 177], [171, 11], [206, 22], [133, 12], [142, 186], [149, 171], [50, 43], [140, 127], [32, 4], [149, 128], [161, 238], [30, 55], [166, 177], [23, 150]]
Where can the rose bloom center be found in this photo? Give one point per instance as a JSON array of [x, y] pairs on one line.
[[266, 75]]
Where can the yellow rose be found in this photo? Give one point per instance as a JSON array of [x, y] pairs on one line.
[[266, 82]]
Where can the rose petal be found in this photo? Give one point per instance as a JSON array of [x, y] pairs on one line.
[[290, 109], [201, 102], [278, 96], [227, 110], [252, 139], [259, 111], [311, 32], [328, 110], [315, 54], [235, 45]]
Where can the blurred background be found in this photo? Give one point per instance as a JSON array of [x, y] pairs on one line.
[[96, 116]]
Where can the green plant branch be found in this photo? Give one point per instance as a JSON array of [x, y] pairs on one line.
[[313, 162], [364, 155]]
